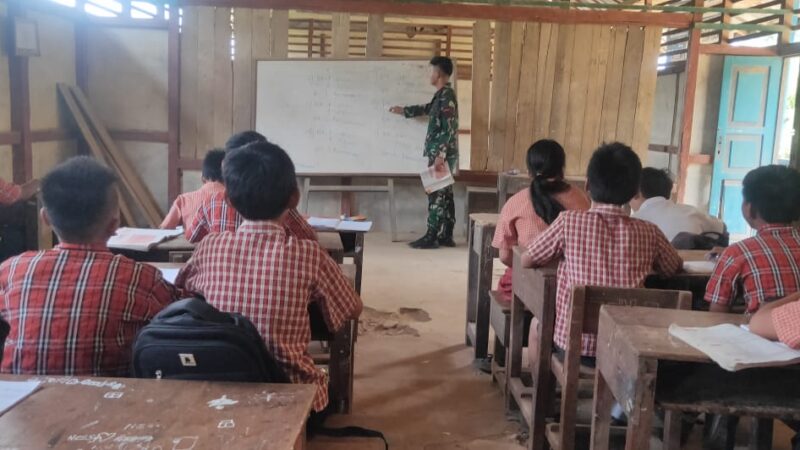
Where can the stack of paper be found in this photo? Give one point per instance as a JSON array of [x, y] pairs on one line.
[[735, 348], [699, 267], [13, 392], [434, 180], [325, 224], [141, 239]]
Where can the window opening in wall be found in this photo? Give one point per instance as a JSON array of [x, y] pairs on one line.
[[786, 125]]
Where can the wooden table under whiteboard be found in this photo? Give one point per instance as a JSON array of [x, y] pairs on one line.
[[117, 413], [640, 365]]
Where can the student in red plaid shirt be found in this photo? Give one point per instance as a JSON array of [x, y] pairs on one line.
[[602, 246], [766, 266], [265, 273], [76, 309], [216, 215]]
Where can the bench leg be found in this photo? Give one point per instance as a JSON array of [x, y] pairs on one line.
[[340, 370], [601, 417], [483, 237], [673, 424], [472, 284], [761, 434]]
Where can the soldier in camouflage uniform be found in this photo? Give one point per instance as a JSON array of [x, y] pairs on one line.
[[441, 146]]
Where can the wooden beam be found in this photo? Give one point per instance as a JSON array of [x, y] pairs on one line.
[[787, 18], [9, 138], [56, 134], [464, 11], [701, 159], [725, 49], [692, 64], [174, 106], [20, 96], [375, 26]]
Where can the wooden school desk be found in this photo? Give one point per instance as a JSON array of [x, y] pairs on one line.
[[479, 280], [114, 413], [640, 365], [683, 281], [340, 357]]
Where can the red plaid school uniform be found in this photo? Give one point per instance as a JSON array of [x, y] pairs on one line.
[[218, 215], [75, 310], [271, 277], [786, 320], [762, 268], [519, 224], [600, 247], [185, 207], [9, 192]]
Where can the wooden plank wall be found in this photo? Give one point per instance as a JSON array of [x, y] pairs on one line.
[[578, 84]]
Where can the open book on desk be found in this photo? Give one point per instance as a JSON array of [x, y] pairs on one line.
[[735, 348], [13, 392], [326, 224], [141, 239]]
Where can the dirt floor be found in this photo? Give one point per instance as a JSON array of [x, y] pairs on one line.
[[414, 377]]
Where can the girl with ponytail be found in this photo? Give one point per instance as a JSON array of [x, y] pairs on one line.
[[531, 211]]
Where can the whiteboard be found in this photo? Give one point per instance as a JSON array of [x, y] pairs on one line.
[[332, 117]]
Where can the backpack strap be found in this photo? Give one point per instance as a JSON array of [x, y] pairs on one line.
[[196, 307]]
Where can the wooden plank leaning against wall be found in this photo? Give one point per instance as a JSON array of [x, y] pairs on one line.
[[571, 103]]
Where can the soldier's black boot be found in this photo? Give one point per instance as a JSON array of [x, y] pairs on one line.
[[446, 236], [429, 241]]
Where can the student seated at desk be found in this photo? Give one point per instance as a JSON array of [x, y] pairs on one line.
[[602, 246], [265, 273], [530, 211], [652, 203], [185, 207], [217, 215], [11, 193], [766, 266], [76, 309]]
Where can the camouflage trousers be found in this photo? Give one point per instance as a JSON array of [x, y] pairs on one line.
[[441, 213]]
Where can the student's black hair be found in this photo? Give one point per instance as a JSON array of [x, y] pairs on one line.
[[259, 180], [546, 159], [443, 63], [243, 138], [773, 193], [212, 165], [613, 174], [76, 196], [655, 183]]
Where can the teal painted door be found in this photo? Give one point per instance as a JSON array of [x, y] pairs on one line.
[[745, 134]]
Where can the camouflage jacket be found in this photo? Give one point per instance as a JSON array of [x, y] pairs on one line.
[[442, 136]]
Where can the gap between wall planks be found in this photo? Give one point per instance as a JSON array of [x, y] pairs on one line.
[[566, 83]]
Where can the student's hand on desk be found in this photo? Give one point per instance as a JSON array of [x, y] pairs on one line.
[[396, 110]]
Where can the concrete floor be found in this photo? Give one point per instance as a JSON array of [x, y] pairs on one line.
[[414, 379]]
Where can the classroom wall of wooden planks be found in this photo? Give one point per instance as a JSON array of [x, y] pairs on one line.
[[578, 84]]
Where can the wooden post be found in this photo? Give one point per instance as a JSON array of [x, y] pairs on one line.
[[692, 62], [725, 35], [19, 80], [375, 25], [448, 45], [279, 29], [174, 106], [310, 38], [340, 27], [786, 35]]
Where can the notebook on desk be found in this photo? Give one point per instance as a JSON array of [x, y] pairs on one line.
[[329, 224], [735, 348], [141, 239]]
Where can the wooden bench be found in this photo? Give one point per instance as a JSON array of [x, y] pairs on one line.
[[640, 366], [104, 413], [479, 281], [584, 318], [500, 319]]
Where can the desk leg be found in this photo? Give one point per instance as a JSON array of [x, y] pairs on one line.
[[761, 434], [340, 371], [358, 259], [485, 263], [472, 282], [673, 424], [601, 418], [300, 444], [514, 351], [640, 416]]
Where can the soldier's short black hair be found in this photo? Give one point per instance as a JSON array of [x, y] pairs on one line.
[[76, 195], [613, 174], [773, 193], [260, 180], [212, 165], [655, 183], [443, 63], [243, 138]]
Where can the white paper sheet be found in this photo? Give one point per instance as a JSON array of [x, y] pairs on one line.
[[699, 267], [170, 274], [13, 392], [353, 225], [734, 348], [322, 223], [141, 239]]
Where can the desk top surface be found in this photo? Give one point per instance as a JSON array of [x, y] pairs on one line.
[[647, 333], [113, 413]]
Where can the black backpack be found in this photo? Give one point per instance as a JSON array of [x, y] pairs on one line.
[[192, 340]]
